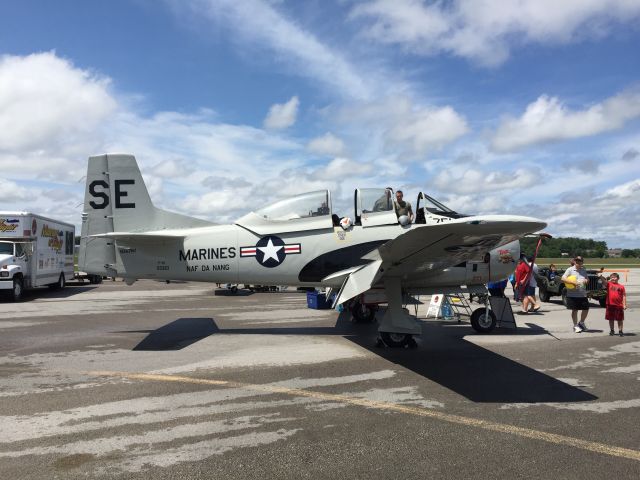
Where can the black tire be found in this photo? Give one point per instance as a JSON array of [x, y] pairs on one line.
[[18, 290], [481, 322], [603, 302], [396, 340], [60, 284], [234, 289], [544, 295], [563, 293], [362, 312], [95, 279]]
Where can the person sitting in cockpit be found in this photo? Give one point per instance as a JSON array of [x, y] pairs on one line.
[[384, 202], [403, 209]]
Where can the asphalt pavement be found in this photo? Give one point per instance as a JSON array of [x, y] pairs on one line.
[[184, 380]]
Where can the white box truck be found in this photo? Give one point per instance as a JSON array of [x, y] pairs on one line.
[[34, 251]]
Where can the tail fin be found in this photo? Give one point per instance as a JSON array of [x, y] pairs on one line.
[[116, 199]]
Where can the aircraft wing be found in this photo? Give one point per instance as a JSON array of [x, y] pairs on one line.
[[431, 248]]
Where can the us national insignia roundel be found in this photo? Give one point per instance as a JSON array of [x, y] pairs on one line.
[[270, 251]]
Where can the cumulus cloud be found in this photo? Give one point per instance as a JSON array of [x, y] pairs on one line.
[[549, 120], [327, 144], [485, 30], [606, 217], [410, 129], [45, 101], [341, 167], [11, 192], [282, 115], [471, 181]]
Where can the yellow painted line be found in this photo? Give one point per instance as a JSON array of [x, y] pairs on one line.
[[393, 407]]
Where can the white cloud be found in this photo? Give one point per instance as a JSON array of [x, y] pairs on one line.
[[260, 24], [406, 128], [327, 144], [11, 192], [471, 181], [45, 102], [342, 167], [428, 128], [282, 115], [485, 30], [587, 214], [549, 120]]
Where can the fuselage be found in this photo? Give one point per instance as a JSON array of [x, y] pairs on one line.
[[234, 254]]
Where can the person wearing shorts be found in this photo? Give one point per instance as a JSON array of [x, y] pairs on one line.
[[616, 302], [577, 300]]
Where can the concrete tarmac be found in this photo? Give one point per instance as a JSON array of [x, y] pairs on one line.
[[186, 381]]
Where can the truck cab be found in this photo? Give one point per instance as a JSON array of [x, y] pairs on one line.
[[15, 267]]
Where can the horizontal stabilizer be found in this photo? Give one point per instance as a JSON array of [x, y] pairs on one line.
[[141, 237]]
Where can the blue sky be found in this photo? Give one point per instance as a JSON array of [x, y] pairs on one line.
[[529, 106]]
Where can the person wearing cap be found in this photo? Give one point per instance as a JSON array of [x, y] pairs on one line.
[[577, 300]]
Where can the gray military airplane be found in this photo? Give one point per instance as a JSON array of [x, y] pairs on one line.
[[300, 241]]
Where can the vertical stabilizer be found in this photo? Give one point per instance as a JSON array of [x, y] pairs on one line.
[[116, 200]]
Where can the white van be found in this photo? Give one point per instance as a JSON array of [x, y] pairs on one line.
[[34, 251]]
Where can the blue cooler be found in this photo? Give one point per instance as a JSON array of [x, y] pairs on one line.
[[317, 301]]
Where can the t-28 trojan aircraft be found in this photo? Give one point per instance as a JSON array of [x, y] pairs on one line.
[[300, 241]]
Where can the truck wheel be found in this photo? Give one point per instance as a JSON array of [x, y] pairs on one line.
[[234, 289], [544, 295], [16, 293], [603, 302], [396, 340], [60, 284], [483, 320], [95, 279], [563, 292]]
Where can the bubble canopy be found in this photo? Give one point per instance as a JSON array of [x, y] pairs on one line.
[[307, 211], [305, 205]]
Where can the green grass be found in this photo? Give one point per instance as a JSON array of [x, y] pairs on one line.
[[590, 263]]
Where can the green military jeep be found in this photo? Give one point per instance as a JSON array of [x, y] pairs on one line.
[[555, 287]]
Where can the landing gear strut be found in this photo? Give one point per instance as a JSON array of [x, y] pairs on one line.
[[397, 327]]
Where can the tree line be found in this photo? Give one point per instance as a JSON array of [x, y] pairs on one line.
[[569, 246]]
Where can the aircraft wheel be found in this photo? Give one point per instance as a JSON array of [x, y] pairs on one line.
[[16, 292], [362, 312], [396, 340], [234, 289], [483, 320], [544, 295]]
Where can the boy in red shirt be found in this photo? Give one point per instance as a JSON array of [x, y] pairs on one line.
[[616, 302]]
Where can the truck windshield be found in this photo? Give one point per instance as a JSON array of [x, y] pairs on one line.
[[6, 248]]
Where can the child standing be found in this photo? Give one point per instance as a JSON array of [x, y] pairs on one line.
[[616, 302]]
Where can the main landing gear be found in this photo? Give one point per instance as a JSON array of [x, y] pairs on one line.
[[397, 327]]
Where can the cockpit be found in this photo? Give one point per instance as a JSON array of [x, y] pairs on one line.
[[305, 205], [313, 210]]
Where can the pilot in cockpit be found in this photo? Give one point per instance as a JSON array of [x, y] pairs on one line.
[[403, 209], [383, 204]]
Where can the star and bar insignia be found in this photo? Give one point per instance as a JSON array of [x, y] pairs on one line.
[[270, 251]]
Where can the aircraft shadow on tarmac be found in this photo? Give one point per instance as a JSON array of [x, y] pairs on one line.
[[443, 356]]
